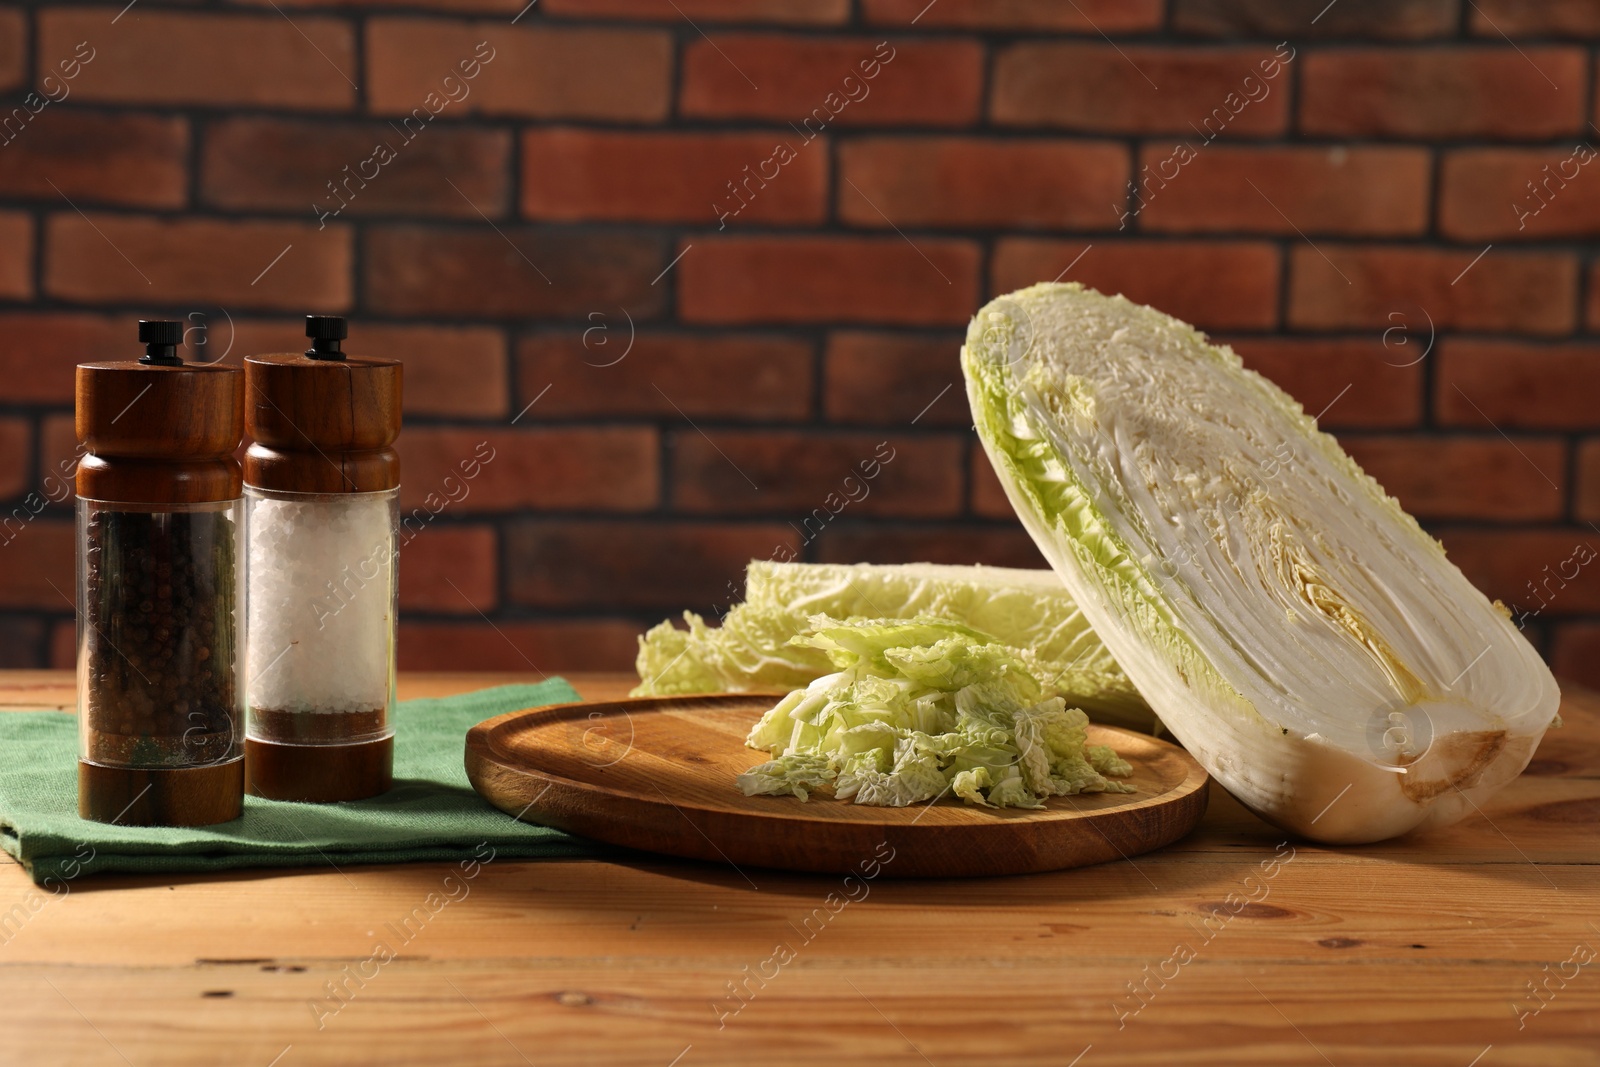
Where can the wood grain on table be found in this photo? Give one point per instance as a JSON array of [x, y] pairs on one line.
[[1469, 946]]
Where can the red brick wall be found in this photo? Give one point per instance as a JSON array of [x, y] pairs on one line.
[[1352, 210]]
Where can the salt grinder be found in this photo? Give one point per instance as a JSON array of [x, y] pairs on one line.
[[322, 486], [159, 585]]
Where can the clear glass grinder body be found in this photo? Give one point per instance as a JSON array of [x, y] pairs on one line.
[[158, 636], [323, 585]]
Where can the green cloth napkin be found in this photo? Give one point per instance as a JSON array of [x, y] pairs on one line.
[[431, 813]]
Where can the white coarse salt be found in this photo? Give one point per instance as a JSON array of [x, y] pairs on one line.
[[321, 602]]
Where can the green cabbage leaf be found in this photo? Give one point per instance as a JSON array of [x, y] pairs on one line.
[[751, 649]]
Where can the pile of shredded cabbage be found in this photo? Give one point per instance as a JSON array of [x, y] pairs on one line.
[[920, 707]]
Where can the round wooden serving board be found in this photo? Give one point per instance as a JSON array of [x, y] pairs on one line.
[[657, 774]]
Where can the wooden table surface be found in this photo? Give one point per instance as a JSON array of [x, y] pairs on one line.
[[1470, 947]]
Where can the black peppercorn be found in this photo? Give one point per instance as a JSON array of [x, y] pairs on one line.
[[161, 686]]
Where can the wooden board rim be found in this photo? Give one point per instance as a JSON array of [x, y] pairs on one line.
[[633, 819]]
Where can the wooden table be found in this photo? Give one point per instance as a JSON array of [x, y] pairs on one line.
[[1404, 953]]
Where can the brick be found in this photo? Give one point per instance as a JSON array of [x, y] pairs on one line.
[[815, 82], [15, 459], [894, 379], [1485, 193], [1497, 92], [16, 255], [13, 48], [458, 371], [1284, 191], [949, 182], [1107, 88], [1333, 286], [814, 475], [509, 7], [665, 566], [122, 258], [595, 469], [570, 174], [22, 643], [1466, 477], [1214, 284], [1575, 655], [750, 377], [1517, 385], [231, 59], [1587, 505], [525, 71], [1093, 16], [562, 645], [39, 349], [512, 273], [1316, 19], [97, 158], [1552, 18], [63, 646], [1527, 567], [36, 565], [829, 279], [451, 570], [791, 12], [1004, 547], [988, 496], [59, 453], [1365, 382], [279, 164]]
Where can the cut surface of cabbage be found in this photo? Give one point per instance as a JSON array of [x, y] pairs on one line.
[[751, 649], [1306, 640]]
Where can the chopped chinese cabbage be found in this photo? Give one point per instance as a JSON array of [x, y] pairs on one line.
[[919, 707]]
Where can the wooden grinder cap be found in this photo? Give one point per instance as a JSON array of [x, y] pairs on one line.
[[158, 430], [323, 422]]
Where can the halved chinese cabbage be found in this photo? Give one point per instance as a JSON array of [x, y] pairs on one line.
[[1295, 628], [1026, 609]]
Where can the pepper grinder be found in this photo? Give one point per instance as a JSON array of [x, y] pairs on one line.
[[321, 509], [159, 539]]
